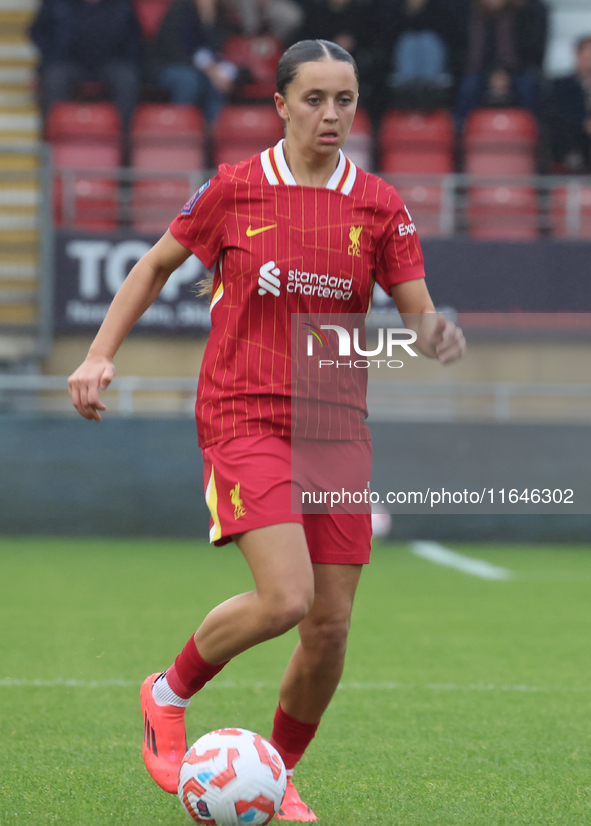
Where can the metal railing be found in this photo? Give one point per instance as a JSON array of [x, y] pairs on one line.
[[502, 401], [49, 394], [145, 200], [387, 400], [520, 206], [497, 206]]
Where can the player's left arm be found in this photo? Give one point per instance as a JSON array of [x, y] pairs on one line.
[[437, 337]]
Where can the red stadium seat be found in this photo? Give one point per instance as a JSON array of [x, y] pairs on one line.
[[241, 131], [413, 142], [420, 163], [155, 203], [85, 155], [150, 14], [359, 144], [167, 120], [91, 204], [500, 162], [570, 211], [232, 153], [85, 136], [177, 158], [239, 121], [260, 56], [83, 121], [508, 212], [416, 129], [500, 142], [167, 136], [424, 202], [493, 126]]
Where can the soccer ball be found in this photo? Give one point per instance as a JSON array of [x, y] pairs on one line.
[[232, 777]]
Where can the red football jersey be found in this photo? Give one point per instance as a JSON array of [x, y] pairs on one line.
[[279, 249]]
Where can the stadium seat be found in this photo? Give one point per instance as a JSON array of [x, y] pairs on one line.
[[87, 203], [424, 202], [164, 137], [167, 120], [501, 161], [413, 142], [168, 137], [503, 212], [492, 126], [258, 56], [241, 131], [419, 162], [417, 128], [69, 121], [85, 136], [359, 144], [500, 142], [570, 211], [150, 14], [155, 203]]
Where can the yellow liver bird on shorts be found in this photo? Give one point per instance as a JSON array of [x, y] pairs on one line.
[[239, 509]]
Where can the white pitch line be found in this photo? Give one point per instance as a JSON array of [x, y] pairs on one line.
[[7, 682], [434, 552], [227, 684]]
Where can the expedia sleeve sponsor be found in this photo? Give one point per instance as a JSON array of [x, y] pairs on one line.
[[398, 253], [406, 229]]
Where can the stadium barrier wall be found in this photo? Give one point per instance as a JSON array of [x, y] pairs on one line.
[[143, 477], [547, 276], [470, 276]]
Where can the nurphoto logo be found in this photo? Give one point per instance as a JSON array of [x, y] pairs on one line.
[[394, 337]]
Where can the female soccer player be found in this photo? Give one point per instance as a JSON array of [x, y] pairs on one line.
[[300, 207]]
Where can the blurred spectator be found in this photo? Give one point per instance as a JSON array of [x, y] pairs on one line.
[[420, 37], [421, 30], [341, 21], [187, 57], [504, 47], [353, 25], [88, 40], [570, 113], [281, 18]]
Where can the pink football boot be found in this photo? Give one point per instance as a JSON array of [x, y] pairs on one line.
[[293, 807], [165, 741]]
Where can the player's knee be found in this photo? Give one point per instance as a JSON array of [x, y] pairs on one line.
[[327, 638], [287, 612]]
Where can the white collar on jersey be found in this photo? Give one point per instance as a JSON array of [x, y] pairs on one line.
[[278, 172]]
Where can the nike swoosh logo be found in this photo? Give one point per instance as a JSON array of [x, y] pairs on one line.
[[250, 232]]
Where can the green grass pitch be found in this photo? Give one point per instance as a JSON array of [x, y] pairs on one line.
[[465, 702]]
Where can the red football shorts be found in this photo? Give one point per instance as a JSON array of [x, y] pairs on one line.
[[248, 485]]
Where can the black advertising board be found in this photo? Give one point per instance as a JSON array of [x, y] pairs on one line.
[[90, 268], [546, 276]]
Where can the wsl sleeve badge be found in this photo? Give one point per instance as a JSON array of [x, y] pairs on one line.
[[188, 208], [232, 777]]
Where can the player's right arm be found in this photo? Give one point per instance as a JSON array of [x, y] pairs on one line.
[[139, 290]]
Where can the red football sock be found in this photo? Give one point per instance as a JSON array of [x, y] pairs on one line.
[[291, 737], [190, 672]]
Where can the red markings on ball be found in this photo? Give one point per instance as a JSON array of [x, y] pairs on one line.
[[223, 778], [192, 758], [274, 762], [262, 803]]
